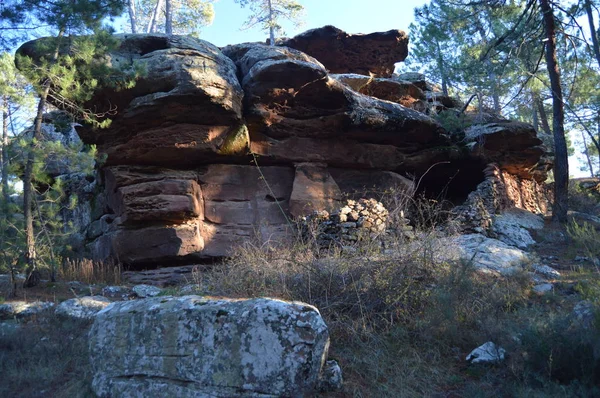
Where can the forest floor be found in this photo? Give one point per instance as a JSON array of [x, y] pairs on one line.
[[403, 328]]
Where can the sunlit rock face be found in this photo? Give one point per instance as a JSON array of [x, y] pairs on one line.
[[342, 52], [215, 147]]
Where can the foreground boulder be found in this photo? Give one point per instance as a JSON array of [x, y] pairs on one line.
[[195, 347]]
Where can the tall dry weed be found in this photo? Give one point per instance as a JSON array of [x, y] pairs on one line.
[[91, 272]]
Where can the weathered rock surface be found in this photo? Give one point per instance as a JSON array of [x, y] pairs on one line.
[[22, 309], [341, 52], [483, 253], [194, 347], [401, 92], [179, 113], [162, 277], [144, 291], [513, 146], [487, 353], [297, 113], [82, 308], [512, 227]]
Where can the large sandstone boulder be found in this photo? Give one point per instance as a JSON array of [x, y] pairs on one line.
[[341, 52], [195, 347], [297, 113], [402, 92], [180, 112], [513, 146], [215, 147]]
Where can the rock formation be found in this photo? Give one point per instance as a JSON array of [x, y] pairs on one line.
[[213, 147], [341, 52]]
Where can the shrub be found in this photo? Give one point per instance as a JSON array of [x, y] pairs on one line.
[[559, 348], [585, 236]]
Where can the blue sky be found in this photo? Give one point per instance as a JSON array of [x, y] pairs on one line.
[[353, 16]]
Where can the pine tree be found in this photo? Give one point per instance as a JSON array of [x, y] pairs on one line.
[[269, 13], [54, 75], [170, 16]]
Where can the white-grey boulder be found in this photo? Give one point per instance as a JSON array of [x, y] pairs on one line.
[[546, 271], [22, 309], [485, 254], [487, 353], [543, 288], [83, 307], [117, 292], [143, 291], [196, 347], [512, 227]]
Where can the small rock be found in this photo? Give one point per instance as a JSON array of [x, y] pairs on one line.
[[581, 259], [143, 291], [331, 378], [117, 292], [543, 288], [82, 308], [584, 313], [546, 271], [486, 353]]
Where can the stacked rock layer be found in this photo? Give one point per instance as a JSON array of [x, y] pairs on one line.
[[213, 147]]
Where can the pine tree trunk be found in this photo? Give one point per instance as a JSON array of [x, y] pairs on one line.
[[4, 157], [271, 25], [535, 120], [132, 16], [586, 152], [5, 215], [543, 116], [561, 165], [590, 15], [442, 70], [168, 17], [30, 253], [154, 19]]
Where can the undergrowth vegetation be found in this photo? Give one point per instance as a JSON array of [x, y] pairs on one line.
[[46, 357], [401, 320]]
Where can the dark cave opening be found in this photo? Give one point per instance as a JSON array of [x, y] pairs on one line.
[[452, 182]]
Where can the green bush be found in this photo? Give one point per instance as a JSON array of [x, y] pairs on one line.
[[560, 348], [584, 236]]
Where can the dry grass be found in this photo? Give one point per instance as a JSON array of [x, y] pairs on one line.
[[46, 357], [91, 272], [401, 324]]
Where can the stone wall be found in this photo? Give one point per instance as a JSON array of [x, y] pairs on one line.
[[498, 192]]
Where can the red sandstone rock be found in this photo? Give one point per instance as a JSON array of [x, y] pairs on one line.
[[314, 189], [180, 186], [400, 92], [341, 52], [513, 146]]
